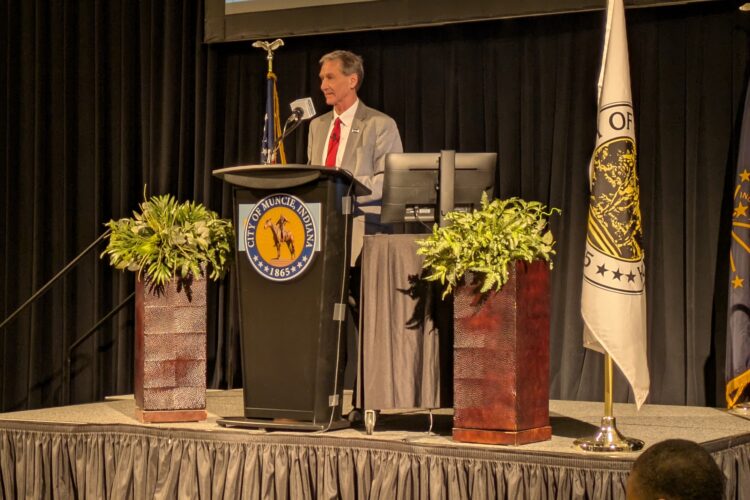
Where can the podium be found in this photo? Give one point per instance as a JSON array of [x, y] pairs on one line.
[[293, 226]]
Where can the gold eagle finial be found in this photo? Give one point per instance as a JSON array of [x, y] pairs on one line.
[[269, 47]]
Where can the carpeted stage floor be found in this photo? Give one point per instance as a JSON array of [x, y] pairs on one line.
[[99, 450]]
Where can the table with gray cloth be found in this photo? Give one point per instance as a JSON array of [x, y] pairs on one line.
[[404, 342]]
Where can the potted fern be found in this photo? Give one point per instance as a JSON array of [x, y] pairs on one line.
[[496, 263], [172, 247]]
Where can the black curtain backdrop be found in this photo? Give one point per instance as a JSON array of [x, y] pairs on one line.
[[101, 97]]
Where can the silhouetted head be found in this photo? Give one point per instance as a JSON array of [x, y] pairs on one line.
[[675, 469]]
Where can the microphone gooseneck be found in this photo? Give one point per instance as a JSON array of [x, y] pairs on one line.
[[302, 109]]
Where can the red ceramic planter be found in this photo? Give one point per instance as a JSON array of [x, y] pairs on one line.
[[501, 359], [170, 353]]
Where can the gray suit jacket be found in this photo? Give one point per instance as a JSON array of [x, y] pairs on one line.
[[372, 136]]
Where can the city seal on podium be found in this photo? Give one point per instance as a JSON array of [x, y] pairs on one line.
[[280, 237]]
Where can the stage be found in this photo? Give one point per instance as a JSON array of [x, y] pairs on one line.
[[99, 450]]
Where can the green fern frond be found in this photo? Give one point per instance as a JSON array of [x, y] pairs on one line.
[[486, 241], [167, 239]]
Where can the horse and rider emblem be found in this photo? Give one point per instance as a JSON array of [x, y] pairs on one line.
[[613, 259], [280, 237], [614, 214]]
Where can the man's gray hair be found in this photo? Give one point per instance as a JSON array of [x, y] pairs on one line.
[[351, 64]]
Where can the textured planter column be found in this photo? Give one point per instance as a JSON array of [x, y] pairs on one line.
[[501, 360], [170, 353]]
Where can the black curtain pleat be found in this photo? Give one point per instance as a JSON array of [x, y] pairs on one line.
[[99, 98]]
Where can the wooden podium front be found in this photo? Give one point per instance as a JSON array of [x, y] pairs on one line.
[[293, 226]]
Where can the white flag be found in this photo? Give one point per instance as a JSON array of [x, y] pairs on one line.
[[613, 299]]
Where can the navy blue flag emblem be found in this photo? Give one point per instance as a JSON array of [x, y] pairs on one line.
[[271, 125], [738, 320]]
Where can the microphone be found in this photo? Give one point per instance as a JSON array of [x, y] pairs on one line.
[[302, 109]]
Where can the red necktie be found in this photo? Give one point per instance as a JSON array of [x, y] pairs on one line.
[[333, 144]]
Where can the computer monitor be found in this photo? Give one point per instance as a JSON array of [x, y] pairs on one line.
[[423, 187]]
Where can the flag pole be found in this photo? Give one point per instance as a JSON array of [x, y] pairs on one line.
[[613, 308], [272, 126], [607, 437]]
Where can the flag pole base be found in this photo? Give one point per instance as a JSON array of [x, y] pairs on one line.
[[608, 439], [741, 409]]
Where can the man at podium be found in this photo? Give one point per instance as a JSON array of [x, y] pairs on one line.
[[352, 136]]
